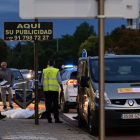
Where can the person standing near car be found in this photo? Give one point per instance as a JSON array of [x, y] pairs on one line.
[[50, 89], [6, 75]]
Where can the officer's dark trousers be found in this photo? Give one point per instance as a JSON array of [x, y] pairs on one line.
[[52, 96]]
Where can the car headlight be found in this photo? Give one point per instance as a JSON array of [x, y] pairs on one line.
[[106, 99], [29, 76]]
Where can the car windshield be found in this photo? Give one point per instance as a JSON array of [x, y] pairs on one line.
[[118, 70], [24, 72], [17, 75]]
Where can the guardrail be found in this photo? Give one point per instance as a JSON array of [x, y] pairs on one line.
[[11, 85]]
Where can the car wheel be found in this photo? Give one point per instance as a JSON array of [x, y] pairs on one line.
[[81, 122], [64, 108], [92, 130]]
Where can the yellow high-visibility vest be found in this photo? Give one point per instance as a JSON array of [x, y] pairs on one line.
[[50, 82]]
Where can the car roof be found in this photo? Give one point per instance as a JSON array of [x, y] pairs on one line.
[[117, 56], [111, 56], [24, 69], [14, 69]]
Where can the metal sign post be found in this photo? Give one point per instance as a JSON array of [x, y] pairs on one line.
[[24, 95], [101, 69], [36, 77]]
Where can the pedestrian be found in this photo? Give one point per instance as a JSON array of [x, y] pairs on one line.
[[6, 75], [50, 89]]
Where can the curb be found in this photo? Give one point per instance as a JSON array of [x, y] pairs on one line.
[[79, 130]]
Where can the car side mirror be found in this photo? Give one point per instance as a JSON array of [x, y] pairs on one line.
[[84, 81]]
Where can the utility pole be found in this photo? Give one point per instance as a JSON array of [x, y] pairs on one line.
[[57, 36], [101, 17], [137, 22], [57, 42], [36, 77]]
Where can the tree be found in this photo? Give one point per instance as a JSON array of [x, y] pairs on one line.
[[81, 34], [23, 57], [113, 37], [17, 50], [91, 46], [129, 42], [4, 51]]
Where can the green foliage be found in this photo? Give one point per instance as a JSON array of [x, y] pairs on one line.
[[113, 37], [91, 46], [23, 55], [128, 44], [4, 51], [81, 34], [120, 41]]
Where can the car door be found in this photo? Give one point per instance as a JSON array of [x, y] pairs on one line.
[[64, 79], [85, 94], [80, 89]]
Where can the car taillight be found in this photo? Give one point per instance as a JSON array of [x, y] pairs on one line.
[[72, 82]]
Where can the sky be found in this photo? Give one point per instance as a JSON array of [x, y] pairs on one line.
[[9, 12]]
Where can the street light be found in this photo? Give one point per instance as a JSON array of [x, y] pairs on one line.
[[57, 36]]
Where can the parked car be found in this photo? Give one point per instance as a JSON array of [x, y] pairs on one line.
[[18, 76], [69, 82], [32, 72], [121, 96], [26, 74]]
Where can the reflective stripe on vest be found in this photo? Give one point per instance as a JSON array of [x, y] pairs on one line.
[[50, 78], [50, 82]]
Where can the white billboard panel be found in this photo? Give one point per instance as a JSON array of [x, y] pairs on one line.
[[127, 9], [73, 9], [55, 9]]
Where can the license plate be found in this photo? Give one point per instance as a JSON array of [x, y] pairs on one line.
[[130, 116], [75, 86]]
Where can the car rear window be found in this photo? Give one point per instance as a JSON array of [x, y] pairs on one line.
[[24, 72], [73, 75], [17, 75]]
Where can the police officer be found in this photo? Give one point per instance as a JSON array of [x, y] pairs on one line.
[[50, 89]]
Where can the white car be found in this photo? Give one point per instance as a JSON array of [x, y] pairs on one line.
[[69, 82], [26, 74]]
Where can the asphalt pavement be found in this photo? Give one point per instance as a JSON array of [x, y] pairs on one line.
[[111, 134]]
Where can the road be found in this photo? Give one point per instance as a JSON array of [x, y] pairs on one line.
[[111, 134]]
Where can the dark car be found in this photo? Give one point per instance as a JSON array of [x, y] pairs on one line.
[[18, 76], [40, 98]]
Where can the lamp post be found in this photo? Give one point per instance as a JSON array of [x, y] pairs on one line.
[[57, 36]]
